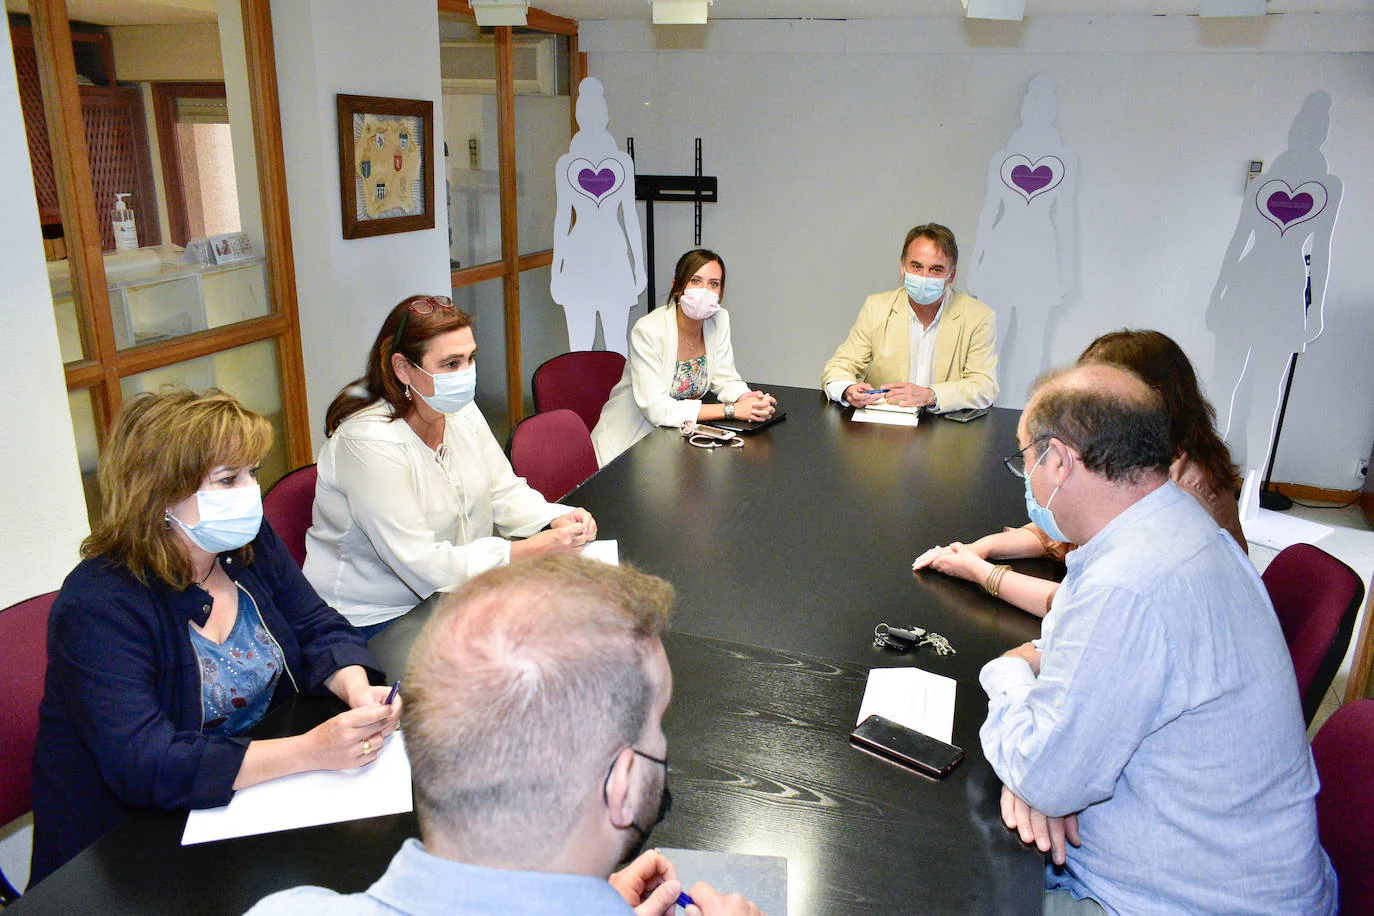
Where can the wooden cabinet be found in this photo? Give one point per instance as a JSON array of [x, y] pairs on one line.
[[116, 136]]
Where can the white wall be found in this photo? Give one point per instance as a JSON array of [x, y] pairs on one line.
[[42, 510], [832, 138], [346, 287]]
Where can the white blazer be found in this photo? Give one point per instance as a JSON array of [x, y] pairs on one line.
[[641, 399]]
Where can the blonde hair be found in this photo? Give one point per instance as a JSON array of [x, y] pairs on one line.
[[162, 447]]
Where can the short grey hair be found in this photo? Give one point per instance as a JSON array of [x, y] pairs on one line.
[[519, 693], [1118, 424]]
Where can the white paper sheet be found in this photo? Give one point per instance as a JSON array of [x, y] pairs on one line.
[[309, 799], [605, 551], [917, 699], [892, 408], [890, 417]]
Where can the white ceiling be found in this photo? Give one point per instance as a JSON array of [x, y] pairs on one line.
[[155, 12], [131, 12]]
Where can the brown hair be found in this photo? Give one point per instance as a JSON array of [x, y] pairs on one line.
[[522, 687], [162, 447], [380, 382], [940, 235], [688, 265], [1163, 365]]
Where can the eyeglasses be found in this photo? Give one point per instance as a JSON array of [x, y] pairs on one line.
[[420, 305], [605, 783], [1017, 463]]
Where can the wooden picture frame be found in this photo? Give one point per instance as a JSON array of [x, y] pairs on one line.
[[386, 165]]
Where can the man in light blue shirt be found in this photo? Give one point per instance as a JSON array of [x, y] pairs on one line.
[[1152, 739], [533, 719]]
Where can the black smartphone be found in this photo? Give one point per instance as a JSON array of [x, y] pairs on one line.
[[963, 416], [907, 746]]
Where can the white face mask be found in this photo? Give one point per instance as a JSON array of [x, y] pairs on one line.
[[452, 390], [699, 303], [228, 518]]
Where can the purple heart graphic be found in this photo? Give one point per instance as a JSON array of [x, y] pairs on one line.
[[596, 184], [1031, 180], [1286, 209]]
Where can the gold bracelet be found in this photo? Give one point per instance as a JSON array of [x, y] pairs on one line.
[[994, 582]]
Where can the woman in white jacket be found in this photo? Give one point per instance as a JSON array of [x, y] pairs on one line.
[[414, 493], [677, 354]]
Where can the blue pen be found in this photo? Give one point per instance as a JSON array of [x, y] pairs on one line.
[[684, 901], [395, 689]]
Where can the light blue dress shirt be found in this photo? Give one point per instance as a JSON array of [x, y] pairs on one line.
[[417, 883], [1167, 713]]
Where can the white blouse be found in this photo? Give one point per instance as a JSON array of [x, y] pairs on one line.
[[395, 521]]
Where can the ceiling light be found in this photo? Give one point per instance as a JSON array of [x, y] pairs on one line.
[[680, 12], [500, 12], [1214, 9], [996, 9]]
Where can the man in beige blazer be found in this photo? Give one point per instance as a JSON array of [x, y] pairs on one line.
[[923, 345]]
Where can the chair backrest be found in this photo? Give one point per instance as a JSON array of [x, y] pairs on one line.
[[580, 381], [288, 505], [553, 452], [1316, 597], [23, 664], [1344, 752]]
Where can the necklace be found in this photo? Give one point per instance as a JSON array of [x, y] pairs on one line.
[[213, 564]]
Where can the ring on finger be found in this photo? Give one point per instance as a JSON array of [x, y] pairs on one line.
[[367, 746]]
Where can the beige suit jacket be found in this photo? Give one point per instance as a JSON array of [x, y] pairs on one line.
[[878, 349]]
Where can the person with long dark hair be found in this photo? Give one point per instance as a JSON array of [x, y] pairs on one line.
[[678, 354], [1202, 466], [414, 493]]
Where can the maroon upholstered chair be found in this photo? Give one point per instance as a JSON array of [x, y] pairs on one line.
[[24, 642], [553, 452], [1316, 597], [580, 381], [288, 505], [1344, 751]]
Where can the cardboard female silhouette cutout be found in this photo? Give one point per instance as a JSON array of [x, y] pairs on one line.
[[1259, 312], [1025, 256], [598, 255]]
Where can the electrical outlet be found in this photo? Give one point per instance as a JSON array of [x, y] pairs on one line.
[[1362, 469]]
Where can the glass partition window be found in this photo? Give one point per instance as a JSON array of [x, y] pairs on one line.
[[543, 127], [249, 373], [467, 67], [485, 303]]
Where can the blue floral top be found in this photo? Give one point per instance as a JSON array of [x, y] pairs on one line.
[[690, 381], [239, 675]]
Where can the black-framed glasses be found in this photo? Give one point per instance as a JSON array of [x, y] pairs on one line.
[[420, 305], [1017, 463]]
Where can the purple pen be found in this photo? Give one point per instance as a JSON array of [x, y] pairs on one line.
[[684, 901], [395, 689]]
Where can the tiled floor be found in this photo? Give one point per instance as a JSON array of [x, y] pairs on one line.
[[1352, 542]]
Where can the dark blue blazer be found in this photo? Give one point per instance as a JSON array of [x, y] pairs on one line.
[[121, 714]]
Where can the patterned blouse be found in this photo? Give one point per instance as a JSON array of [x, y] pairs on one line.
[[237, 676], [690, 382]]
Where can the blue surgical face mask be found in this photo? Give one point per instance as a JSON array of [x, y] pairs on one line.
[[1041, 515], [924, 290], [452, 390], [228, 518]]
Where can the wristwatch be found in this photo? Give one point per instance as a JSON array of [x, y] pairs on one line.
[[729, 411], [934, 405]]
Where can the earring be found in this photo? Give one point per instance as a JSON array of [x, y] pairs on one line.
[[408, 397]]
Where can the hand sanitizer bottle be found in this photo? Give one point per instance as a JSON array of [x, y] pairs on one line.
[[122, 221]]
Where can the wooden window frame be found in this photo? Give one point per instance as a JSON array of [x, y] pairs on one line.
[[165, 97], [512, 263], [104, 365]]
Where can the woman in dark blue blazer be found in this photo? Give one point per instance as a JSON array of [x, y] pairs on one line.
[[184, 622]]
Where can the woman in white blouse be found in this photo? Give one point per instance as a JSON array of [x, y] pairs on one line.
[[677, 354], [413, 486]]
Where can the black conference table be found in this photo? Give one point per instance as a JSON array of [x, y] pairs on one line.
[[785, 555]]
